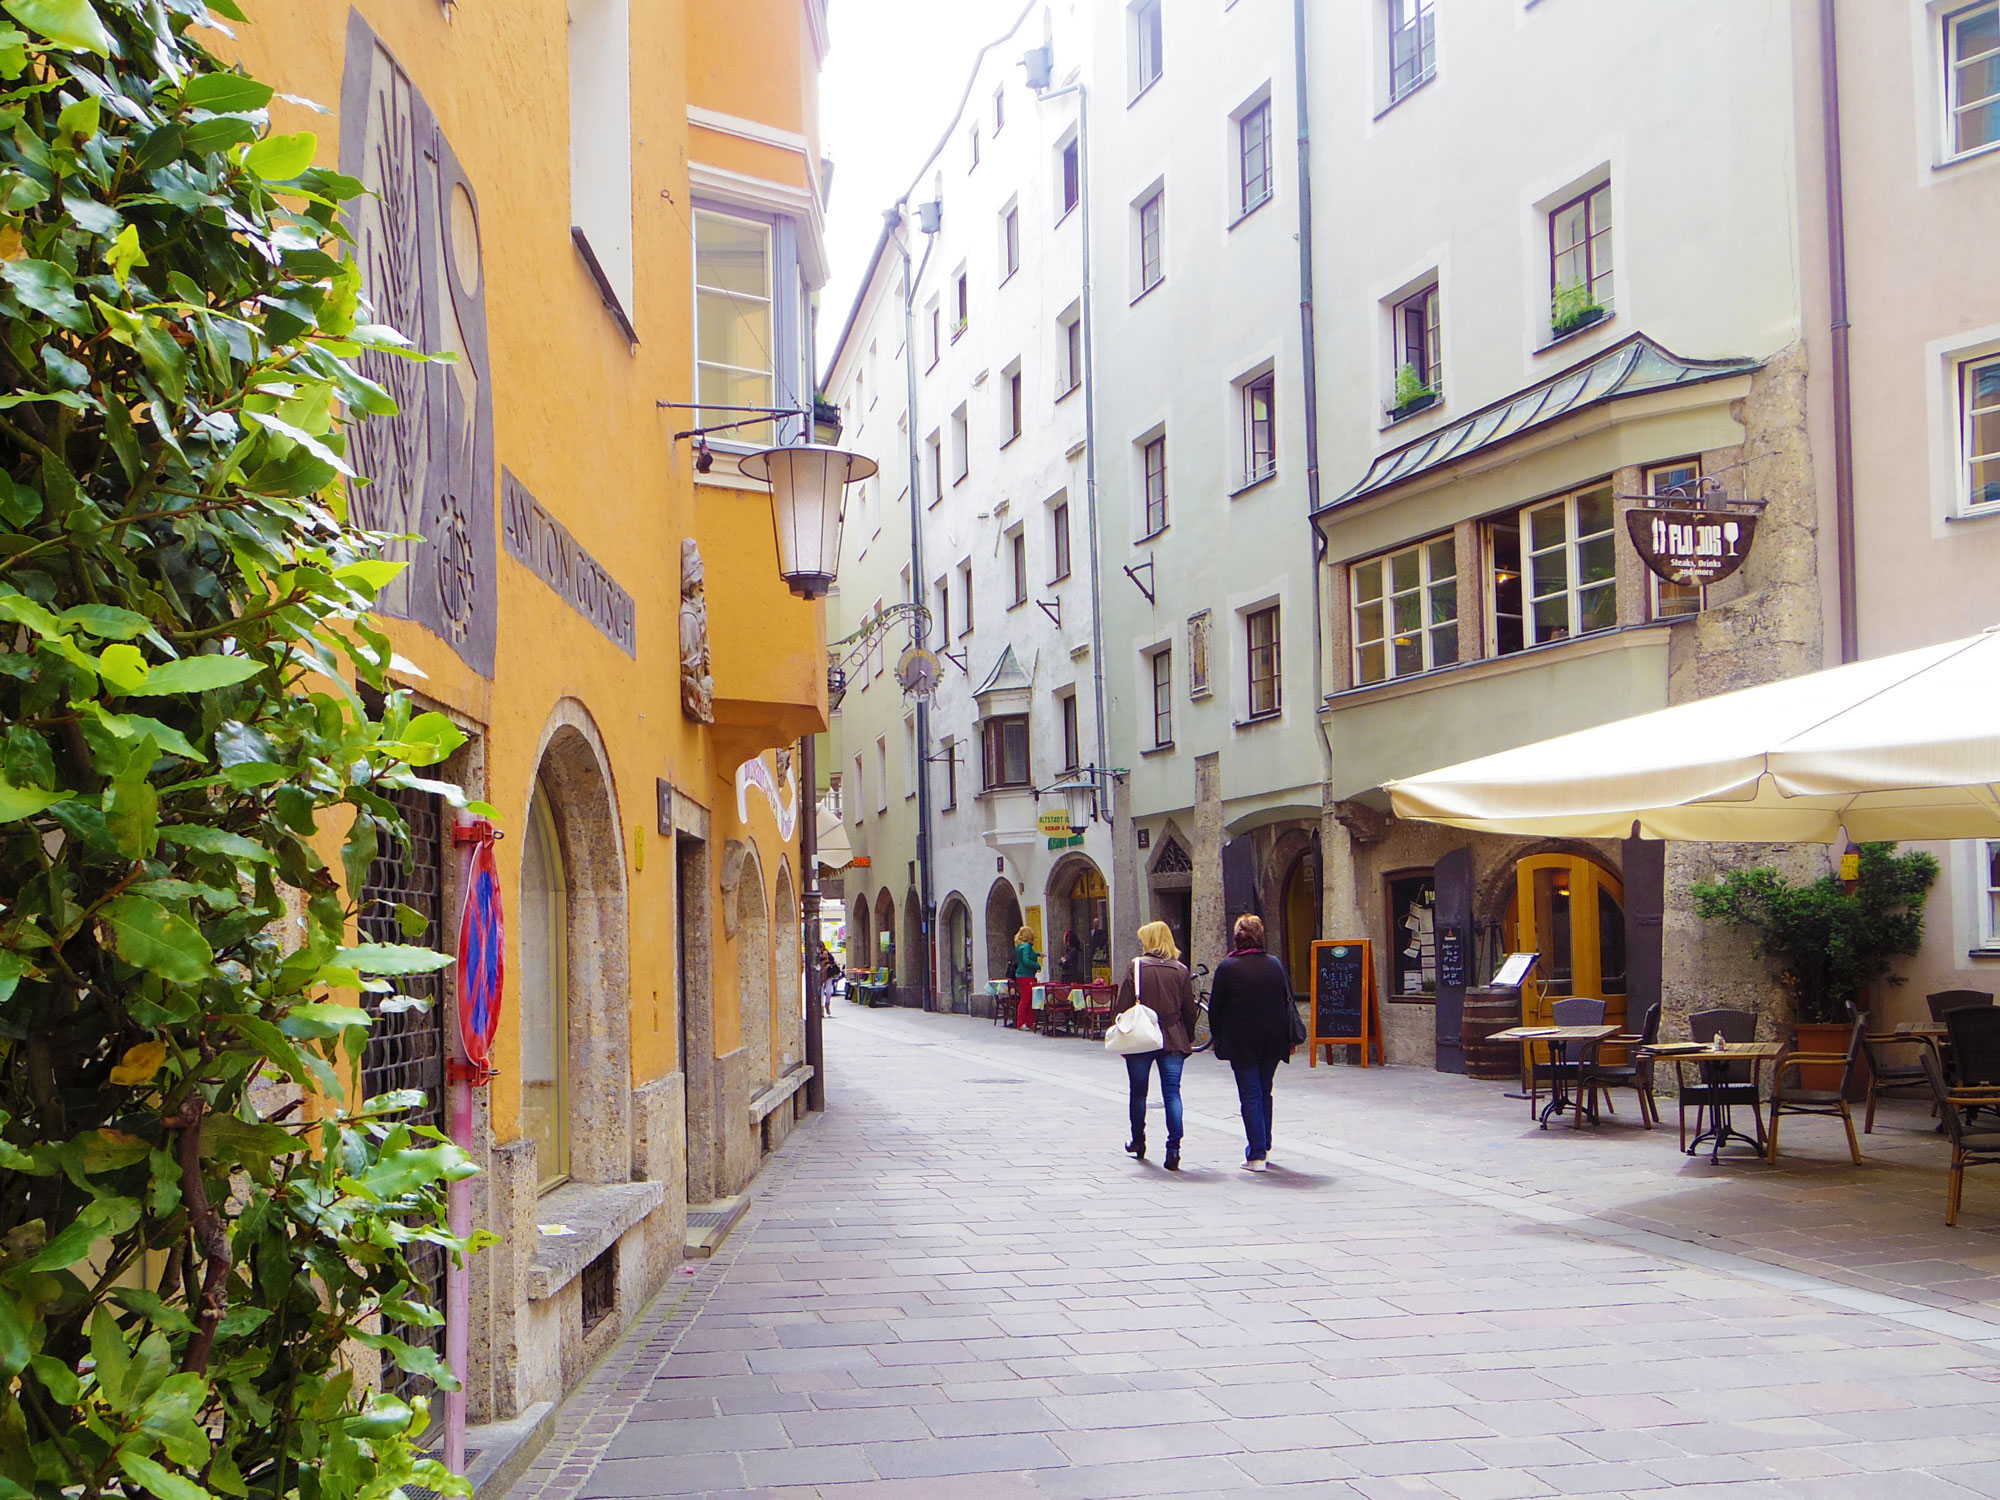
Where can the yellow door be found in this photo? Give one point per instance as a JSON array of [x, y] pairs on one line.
[[1572, 912]]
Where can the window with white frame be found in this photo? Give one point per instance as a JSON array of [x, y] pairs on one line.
[[1072, 739], [1972, 78], [962, 305], [1070, 376], [882, 773], [1153, 470], [961, 446], [948, 758], [600, 150], [934, 467], [909, 755], [965, 596], [1554, 571], [860, 798], [1412, 45], [1253, 155], [934, 324], [734, 326], [1989, 900], [972, 155], [1260, 431], [1010, 240], [1000, 109], [941, 616], [1004, 752], [1405, 608], [1680, 481], [1979, 385], [1059, 540], [1071, 176], [1580, 260], [1146, 39], [1010, 396], [1419, 333], [1265, 660], [1017, 561], [1160, 669], [1151, 224]]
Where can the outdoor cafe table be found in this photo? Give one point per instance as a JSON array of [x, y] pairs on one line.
[[1559, 1039], [1716, 1058]]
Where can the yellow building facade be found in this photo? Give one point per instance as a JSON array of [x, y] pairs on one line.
[[597, 207]]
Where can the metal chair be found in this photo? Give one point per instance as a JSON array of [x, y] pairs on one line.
[[1636, 1075], [1739, 1085], [1793, 1099], [1577, 1010], [1971, 1146], [1946, 1001], [1884, 1076]]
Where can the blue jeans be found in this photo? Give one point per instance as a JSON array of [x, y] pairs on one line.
[[1253, 1092], [1138, 1070]]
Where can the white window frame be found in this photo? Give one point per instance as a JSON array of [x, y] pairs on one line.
[[1531, 635], [1249, 471], [1954, 67], [1669, 600], [746, 435], [1059, 537], [1987, 852], [859, 801], [1248, 202], [909, 756], [935, 322], [942, 619], [1068, 149], [1160, 685], [1149, 270], [1154, 441], [1069, 722], [961, 444], [1010, 240], [1148, 37], [1017, 565], [1406, 17], [882, 774], [1070, 325], [965, 594], [1384, 632], [1272, 609], [1428, 301], [1968, 455], [934, 461], [1013, 413]]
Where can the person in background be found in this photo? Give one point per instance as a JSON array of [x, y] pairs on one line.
[[1160, 980], [829, 981], [1100, 945], [1027, 964], [1072, 959], [1250, 1016]]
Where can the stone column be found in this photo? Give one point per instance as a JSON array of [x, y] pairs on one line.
[[1127, 877], [1207, 935]]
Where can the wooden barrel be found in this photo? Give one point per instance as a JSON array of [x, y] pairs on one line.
[[1488, 1011]]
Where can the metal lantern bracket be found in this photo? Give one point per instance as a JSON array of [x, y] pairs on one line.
[[1705, 493], [957, 659], [1145, 585], [1052, 608], [850, 650]]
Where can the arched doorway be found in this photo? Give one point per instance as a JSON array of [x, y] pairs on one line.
[[753, 973], [1003, 920], [885, 934], [860, 951], [1301, 908], [955, 952], [1571, 910], [542, 993], [789, 999], [916, 956], [1079, 902]]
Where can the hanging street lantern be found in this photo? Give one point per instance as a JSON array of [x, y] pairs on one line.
[[808, 501]]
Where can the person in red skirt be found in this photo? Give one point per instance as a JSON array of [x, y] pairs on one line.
[[1027, 964]]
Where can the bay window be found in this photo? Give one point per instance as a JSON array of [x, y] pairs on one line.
[[1004, 752], [1405, 608], [1554, 571]]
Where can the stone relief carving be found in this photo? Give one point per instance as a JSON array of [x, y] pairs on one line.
[[697, 683], [426, 472]]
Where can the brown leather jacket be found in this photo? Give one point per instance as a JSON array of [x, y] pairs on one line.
[[1165, 986]]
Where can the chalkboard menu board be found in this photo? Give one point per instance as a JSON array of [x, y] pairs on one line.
[[1339, 979], [1451, 958]]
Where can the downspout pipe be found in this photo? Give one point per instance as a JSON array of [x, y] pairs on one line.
[[1309, 361], [809, 916], [926, 900], [1843, 380]]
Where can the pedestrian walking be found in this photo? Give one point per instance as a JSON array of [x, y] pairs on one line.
[[1027, 964], [1250, 1015], [1159, 980], [829, 982]]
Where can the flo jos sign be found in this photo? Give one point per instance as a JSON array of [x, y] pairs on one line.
[[1692, 540]]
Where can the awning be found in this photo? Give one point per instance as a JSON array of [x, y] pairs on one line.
[[833, 849], [1900, 747]]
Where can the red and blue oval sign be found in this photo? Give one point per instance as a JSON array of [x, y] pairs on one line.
[[482, 950]]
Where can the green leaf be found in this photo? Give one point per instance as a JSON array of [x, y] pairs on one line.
[[391, 958], [57, 1378], [400, 1173], [132, 812], [80, 120], [122, 667], [411, 921], [225, 93], [67, 23], [105, 621], [216, 841], [24, 611], [44, 287], [14, 967], [148, 936], [17, 1344], [196, 674], [19, 505], [98, 218], [18, 802], [280, 158], [162, 1481], [124, 254], [96, 1220], [375, 572]]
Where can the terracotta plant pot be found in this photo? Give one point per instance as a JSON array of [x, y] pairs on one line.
[[1824, 1037]]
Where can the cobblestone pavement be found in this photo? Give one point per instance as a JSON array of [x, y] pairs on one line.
[[956, 1285]]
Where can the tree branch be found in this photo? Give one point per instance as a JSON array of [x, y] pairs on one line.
[[210, 1233]]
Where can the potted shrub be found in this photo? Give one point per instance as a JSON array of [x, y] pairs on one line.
[[1574, 306], [1831, 942], [1413, 394]]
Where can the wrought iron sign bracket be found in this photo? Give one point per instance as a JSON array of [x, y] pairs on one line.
[[1144, 586], [957, 659], [1052, 608]]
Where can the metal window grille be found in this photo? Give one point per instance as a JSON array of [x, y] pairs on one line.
[[406, 1048]]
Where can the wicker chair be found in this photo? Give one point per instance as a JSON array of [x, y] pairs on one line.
[[1971, 1146], [1794, 1099]]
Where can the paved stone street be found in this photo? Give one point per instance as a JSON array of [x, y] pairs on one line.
[[956, 1285]]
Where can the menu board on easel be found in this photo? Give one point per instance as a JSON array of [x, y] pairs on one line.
[[1344, 1010]]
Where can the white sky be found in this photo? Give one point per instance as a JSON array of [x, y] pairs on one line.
[[890, 84]]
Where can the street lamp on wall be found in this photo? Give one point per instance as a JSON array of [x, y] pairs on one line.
[[808, 503]]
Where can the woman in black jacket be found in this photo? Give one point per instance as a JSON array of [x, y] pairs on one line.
[[1250, 1015]]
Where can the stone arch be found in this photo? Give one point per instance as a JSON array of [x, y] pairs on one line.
[[1497, 889], [1069, 911], [788, 996], [955, 957], [753, 968], [885, 927], [860, 947], [1003, 920], [573, 772]]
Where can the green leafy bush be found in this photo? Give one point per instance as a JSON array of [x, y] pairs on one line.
[[1411, 387], [1832, 944], [197, 1217], [1572, 306]]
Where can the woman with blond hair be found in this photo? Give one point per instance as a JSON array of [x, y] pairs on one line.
[[1250, 1015], [1159, 980], [1027, 964]]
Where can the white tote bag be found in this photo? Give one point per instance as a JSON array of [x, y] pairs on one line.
[[1137, 1029]]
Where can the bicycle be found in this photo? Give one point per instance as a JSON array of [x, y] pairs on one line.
[[1204, 1036]]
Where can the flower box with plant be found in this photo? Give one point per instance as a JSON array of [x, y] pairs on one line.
[[1413, 394], [1832, 943], [1574, 306]]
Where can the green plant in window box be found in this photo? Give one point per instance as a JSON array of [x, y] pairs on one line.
[[1832, 943], [1413, 392], [1574, 306]]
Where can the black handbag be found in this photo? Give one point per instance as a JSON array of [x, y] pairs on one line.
[[1298, 1024]]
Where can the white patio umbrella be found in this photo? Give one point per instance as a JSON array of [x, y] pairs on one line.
[[1900, 747], [833, 848]]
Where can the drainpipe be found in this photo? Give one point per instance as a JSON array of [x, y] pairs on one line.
[[1843, 386], [919, 583], [1309, 350], [809, 915]]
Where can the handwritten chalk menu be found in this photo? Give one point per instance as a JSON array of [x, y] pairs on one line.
[[1343, 997], [1450, 957]]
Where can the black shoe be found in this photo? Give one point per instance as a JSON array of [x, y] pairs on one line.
[[1137, 1147], [1173, 1159]]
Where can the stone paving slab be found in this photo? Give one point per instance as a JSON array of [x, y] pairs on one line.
[[949, 1288]]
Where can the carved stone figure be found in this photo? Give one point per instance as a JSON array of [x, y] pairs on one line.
[[697, 684]]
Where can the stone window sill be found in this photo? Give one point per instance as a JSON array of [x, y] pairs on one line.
[[597, 1215]]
